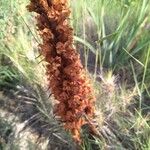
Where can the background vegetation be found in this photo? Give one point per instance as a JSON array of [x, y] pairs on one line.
[[113, 38]]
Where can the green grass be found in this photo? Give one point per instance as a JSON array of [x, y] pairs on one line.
[[17, 41], [119, 29], [113, 35]]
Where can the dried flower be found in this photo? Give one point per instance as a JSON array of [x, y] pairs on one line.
[[67, 79]]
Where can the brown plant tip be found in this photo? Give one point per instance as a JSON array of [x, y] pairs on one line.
[[68, 81]]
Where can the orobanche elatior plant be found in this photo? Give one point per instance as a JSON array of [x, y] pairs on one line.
[[67, 78]]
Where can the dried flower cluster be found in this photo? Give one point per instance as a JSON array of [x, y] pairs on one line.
[[67, 79]]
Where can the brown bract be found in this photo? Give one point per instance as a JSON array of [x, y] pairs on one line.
[[68, 81]]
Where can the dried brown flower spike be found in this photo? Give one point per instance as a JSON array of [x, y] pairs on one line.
[[67, 79]]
